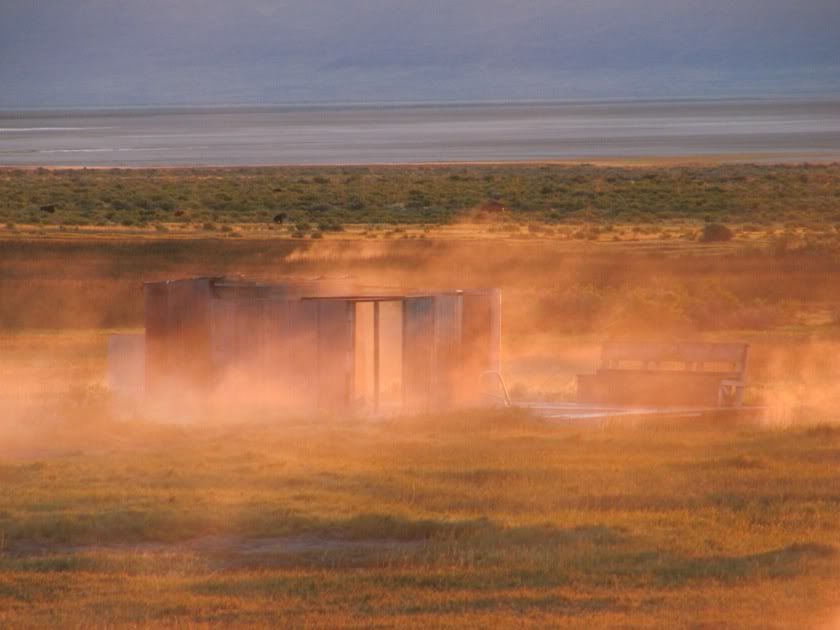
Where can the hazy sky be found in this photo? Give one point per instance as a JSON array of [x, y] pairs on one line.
[[109, 52]]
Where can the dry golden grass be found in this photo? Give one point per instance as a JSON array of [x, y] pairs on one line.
[[117, 516], [473, 519]]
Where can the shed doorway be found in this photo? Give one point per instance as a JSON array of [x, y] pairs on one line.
[[378, 356]]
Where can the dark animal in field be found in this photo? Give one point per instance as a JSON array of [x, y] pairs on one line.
[[48, 208], [279, 218]]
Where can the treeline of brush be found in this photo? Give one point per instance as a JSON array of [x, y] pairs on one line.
[[331, 197]]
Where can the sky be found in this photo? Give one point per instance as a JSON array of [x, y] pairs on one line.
[[56, 53]]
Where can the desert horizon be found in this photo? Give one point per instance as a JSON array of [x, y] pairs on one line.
[[463, 314]]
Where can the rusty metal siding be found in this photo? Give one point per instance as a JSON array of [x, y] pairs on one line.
[[273, 354], [494, 353], [272, 343], [481, 344], [223, 333], [155, 298], [366, 363], [250, 338], [250, 333], [336, 343], [301, 368], [189, 320], [448, 323], [418, 353], [268, 340], [178, 334]]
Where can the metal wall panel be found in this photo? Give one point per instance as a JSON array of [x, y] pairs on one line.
[[155, 297], [302, 364], [251, 342], [365, 379], [259, 339], [223, 333], [250, 333], [481, 345], [446, 368], [418, 353], [178, 334], [274, 359], [390, 356], [336, 341]]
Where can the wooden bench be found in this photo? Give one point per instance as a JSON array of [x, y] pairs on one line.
[[667, 375]]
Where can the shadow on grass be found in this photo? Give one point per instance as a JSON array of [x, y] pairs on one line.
[[383, 526], [671, 570], [421, 554], [555, 604], [123, 562]]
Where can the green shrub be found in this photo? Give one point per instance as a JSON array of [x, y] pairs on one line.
[[731, 193], [330, 226], [716, 233]]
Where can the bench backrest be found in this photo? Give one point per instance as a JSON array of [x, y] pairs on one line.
[[723, 358]]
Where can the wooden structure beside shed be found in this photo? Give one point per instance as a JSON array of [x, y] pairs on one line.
[[693, 374]]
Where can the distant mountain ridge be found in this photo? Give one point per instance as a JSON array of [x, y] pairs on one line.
[[97, 52]]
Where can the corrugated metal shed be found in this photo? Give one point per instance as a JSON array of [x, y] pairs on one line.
[[178, 334], [418, 353], [482, 338], [298, 341], [335, 339]]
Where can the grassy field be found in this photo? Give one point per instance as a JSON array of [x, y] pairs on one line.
[[111, 514], [480, 519]]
